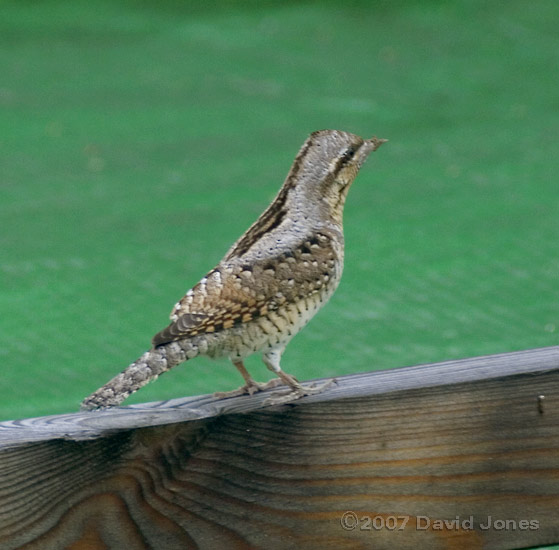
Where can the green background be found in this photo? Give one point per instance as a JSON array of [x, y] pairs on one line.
[[138, 140]]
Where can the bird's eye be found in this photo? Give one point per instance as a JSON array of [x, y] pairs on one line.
[[348, 154]]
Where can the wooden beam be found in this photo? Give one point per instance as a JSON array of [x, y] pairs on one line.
[[380, 461]]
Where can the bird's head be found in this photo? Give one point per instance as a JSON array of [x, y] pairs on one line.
[[325, 168]]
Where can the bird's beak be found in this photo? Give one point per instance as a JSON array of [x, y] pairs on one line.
[[369, 145], [375, 142]]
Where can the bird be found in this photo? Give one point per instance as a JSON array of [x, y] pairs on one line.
[[269, 284]]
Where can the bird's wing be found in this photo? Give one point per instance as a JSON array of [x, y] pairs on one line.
[[235, 293], [219, 301]]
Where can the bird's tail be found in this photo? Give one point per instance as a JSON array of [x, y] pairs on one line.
[[148, 367]]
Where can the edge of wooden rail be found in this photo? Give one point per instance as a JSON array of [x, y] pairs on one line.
[[90, 425]]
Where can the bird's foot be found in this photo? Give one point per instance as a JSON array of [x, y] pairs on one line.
[[250, 388], [296, 391]]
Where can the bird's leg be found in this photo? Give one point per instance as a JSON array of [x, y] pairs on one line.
[[250, 387], [297, 390]]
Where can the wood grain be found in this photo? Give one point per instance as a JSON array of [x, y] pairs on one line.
[[400, 449]]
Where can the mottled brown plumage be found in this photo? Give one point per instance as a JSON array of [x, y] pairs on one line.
[[271, 281], [228, 295]]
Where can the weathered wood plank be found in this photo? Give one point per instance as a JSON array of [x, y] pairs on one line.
[[401, 449]]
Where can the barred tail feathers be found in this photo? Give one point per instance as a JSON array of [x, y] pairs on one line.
[[148, 367]]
